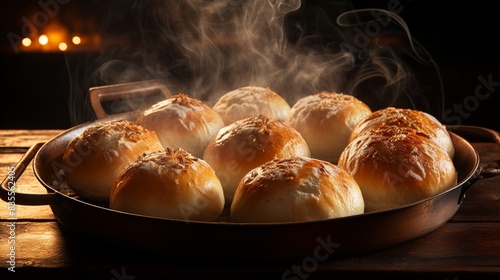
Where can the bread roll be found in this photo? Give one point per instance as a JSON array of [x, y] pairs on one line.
[[182, 122], [248, 101], [395, 166], [326, 120], [169, 184], [415, 119], [98, 155], [248, 143], [296, 189]]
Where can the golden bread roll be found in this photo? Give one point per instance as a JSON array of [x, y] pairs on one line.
[[169, 184], [248, 143], [326, 120], [182, 122], [99, 154], [296, 189], [395, 166], [415, 119], [248, 101]]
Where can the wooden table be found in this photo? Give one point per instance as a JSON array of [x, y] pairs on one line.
[[468, 246]]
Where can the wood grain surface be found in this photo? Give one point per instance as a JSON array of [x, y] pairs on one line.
[[466, 247]]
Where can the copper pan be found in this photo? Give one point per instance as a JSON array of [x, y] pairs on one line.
[[278, 241]]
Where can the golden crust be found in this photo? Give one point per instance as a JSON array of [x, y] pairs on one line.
[[248, 143], [296, 189], [97, 156], [248, 101], [395, 166], [182, 122], [169, 184], [326, 120], [414, 119]]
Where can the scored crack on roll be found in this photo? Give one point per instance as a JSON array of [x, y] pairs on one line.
[[248, 143], [326, 120], [296, 189], [249, 101], [169, 184], [182, 122], [97, 156]]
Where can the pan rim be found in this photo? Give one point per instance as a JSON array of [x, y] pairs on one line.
[[55, 190]]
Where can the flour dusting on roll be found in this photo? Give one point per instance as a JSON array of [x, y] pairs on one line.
[[182, 122], [99, 154], [248, 143], [296, 189], [326, 120], [249, 101], [396, 166], [169, 184]]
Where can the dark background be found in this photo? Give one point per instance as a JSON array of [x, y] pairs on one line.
[[461, 37]]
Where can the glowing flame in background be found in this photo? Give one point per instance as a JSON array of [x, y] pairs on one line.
[[206, 48]]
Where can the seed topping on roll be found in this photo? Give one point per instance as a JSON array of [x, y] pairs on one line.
[[99, 154], [249, 101], [182, 122], [395, 166], [169, 184], [326, 120], [296, 189], [177, 160], [420, 121], [248, 143]]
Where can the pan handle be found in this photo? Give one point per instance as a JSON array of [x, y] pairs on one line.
[[487, 171], [480, 134], [8, 190], [126, 98], [477, 133]]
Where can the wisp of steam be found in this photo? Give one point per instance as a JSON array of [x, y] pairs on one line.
[[207, 48]]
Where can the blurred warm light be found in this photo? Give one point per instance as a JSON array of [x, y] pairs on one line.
[[76, 40], [26, 42], [56, 33], [56, 37], [43, 40], [63, 46]]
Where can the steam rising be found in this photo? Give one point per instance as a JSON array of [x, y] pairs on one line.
[[207, 48]]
